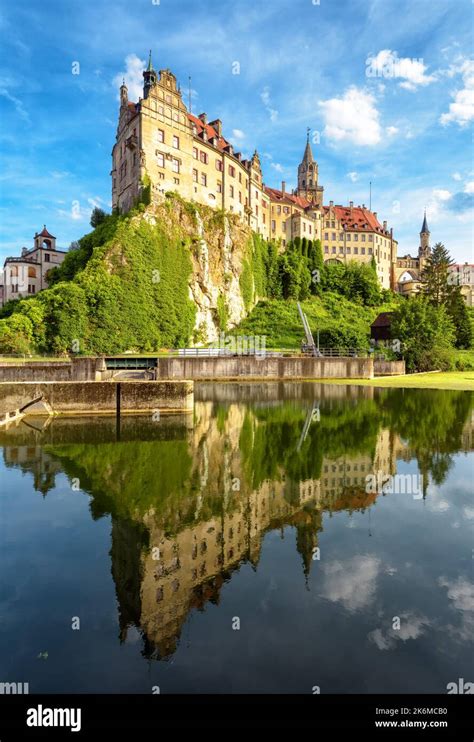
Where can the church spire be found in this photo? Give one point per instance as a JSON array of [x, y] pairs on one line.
[[150, 64], [424, 228], [308, 153]]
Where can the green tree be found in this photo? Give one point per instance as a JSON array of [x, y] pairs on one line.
[[97, 217], [426, 334], [459, 314], [435, 275], [16, 334]]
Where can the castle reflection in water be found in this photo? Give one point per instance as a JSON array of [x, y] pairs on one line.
[[191, 498]]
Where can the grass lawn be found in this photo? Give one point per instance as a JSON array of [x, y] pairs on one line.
[[463, 380]]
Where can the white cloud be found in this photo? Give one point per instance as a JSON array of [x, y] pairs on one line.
[[238, 134], [391, 130], [352, 582], [461, 111], [411, 627], [388, 64], [469, 187], [276, 166], [133, 76], [456, 176], [267, 102], [353, 176], [353, 118]]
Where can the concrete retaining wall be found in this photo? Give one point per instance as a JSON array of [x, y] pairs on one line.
[[36, 371], [389, 368], [245, 367], [100, 397]]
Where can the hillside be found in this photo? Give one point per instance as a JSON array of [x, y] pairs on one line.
[[159, 276], [341, 322]]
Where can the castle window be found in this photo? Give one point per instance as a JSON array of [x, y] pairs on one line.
[[304, 226], [175, 116], [203, 179], [240, 197], [31, 288], [14, 271], [195, 153], [286, 209], [333, 224], [160, 135], [326, 236], [310, 230], [371, 237], [362, 237], [348, 250], [231, 191], [278, 209], [356, 250], [326, 249], [175, 165], [256, 195], [219, 166], [362, 250], [333, 250], [195, 175], [176, 181], [341, 249], [240, 177], [310, 183], [273, 225], [232, 171], [264, 219], [47, 257], [356, 238], [204, 157], [327, 225], [168, 97], [256, 210], [219, 186], [176, 142], [370, 251], [160, 158], [31, 273], [161, 110], [341, 237], [333, 235], [304, 183], [161, 176]]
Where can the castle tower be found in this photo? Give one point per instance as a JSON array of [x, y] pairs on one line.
[[424, 249], [149, 78], [308, 177], [123, 95]]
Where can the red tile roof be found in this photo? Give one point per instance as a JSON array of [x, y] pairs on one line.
[[45, 233], [276, 195], [356, 218], [210, 131]]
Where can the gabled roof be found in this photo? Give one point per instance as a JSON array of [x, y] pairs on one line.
[[288, 198], [384, 319], [356, 218]]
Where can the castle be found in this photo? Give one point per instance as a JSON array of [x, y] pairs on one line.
[[160, 140]]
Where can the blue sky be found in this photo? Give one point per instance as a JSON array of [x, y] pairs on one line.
[[386, 87]]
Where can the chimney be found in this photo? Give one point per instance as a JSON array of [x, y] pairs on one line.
[[331, 204], [375, 214], [203, 117], [351, 204], [216, 124], [283, 187], [24, 251], [385, 226], [363, 206]]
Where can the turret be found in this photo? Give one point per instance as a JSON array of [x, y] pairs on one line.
[[123, 95], [149, 78], [308, 176], [424, 249]]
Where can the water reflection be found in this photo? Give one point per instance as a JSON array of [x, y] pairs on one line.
[[191, 499]]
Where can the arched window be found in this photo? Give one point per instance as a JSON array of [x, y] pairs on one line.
[[31, 273], [14, 271]]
